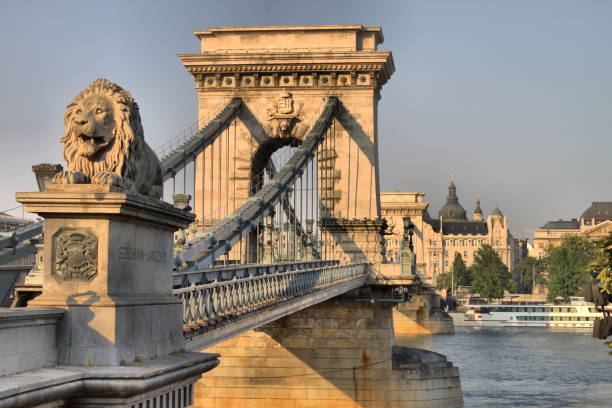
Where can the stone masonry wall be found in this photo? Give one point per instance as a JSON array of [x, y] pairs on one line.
[[337, 354]]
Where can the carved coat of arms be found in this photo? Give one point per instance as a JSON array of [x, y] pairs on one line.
[[284, 113], [76, 255]]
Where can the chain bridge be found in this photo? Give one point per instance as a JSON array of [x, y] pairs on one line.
[[282, 269]]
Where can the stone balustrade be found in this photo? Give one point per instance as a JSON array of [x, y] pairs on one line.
[[28, 339]]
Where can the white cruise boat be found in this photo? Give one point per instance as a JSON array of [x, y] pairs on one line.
[[576, 314]]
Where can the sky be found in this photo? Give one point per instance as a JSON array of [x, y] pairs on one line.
[[512, 99]]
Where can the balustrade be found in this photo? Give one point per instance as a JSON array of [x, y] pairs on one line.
[[212, 304]]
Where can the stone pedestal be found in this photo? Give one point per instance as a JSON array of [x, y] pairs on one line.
[[108, 263], [108, 269]]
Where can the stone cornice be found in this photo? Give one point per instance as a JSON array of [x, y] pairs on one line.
[[263, 29], [378, 63], [404, 206], [61, 200]]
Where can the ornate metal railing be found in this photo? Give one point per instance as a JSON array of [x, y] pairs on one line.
[[240, 271], [215, 304]]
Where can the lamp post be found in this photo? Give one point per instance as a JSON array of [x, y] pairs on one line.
[[44, 173], [407, 249], [408, 229]]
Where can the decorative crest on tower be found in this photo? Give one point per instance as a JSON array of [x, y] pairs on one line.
[[284, 113]]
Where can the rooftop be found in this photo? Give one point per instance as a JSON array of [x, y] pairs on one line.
[[464, 227], [290, 38], [599, 210], [562, 224]]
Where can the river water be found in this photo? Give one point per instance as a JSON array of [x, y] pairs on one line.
[[525, 367]]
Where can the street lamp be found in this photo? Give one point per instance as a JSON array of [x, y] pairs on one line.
[[409, 230], [44, 173]]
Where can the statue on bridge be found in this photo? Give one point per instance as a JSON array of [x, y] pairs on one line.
[[104, 142]]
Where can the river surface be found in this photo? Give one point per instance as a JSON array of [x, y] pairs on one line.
[[525, 367]]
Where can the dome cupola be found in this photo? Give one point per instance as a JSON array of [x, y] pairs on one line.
[[452, 210]]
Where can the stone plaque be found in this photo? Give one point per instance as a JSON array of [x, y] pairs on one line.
[[76, 255]]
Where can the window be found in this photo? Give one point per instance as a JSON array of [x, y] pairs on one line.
[[430, 242], [435, 243], [446, 263], [435, 253], [465, 254]]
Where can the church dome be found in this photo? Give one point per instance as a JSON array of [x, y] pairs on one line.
[[452, 210]]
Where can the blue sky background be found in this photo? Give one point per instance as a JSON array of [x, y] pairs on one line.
[[511, 98]]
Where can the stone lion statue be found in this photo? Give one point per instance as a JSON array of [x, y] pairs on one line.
[[104, 142]]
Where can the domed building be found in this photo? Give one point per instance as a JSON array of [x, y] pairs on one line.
[[594, 223], [452, 210], [438, 240]]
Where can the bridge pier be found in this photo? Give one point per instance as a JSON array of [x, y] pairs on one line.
[[422, 316], [339, 353]]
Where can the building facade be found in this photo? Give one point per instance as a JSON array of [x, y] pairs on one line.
[[595, 222], [438, 240]]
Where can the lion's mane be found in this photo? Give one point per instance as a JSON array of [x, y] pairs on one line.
[[128, 156]]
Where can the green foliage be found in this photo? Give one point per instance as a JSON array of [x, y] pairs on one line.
[[568, 266], [602, 266], [490, 277], [443, 281], [461, 274], [530, 268]]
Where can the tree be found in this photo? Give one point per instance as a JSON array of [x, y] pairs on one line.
[[602, 267], [490, 277], [443, 281], [568, 265], [458, 276], [530, 270], [461, 274]]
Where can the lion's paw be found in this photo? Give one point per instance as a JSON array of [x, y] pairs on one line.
[[108, 178], [69, 177]]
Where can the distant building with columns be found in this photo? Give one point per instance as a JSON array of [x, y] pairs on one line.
[[437, 240], [595, 222]]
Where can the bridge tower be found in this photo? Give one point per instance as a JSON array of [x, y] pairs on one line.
[[283, 75]]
